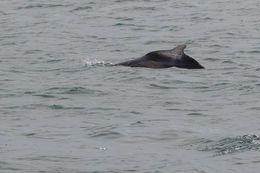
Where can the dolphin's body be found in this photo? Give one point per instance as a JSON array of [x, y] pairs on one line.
[[164, 59]]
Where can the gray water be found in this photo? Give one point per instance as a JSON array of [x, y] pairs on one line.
[[65, 109]]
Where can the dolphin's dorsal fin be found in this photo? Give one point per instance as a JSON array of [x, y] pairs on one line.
[[179, 50]]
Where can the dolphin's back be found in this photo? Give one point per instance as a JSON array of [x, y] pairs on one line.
[[146, 61], [165, 58]]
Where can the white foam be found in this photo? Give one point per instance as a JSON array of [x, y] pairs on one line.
[[94, 62]]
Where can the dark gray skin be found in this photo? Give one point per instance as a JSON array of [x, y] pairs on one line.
[[165, 59]]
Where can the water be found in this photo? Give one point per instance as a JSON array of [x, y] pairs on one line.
[[64, 108]]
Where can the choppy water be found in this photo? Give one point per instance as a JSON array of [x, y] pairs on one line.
[[64, 108]]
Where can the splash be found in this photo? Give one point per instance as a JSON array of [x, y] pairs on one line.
[[95, 63]]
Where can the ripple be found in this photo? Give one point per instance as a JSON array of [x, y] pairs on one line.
[[54, 60], [231, 145], [49, 158], [75, 90], [102, 109], [6, 166], [45, 95], [54, 107], [254, 108], [28, 52], [137, 123], [145, 8], [63, 107], [29, 92], [81, 90], [123, 24], [29, 134], [2, 13], [124, 18], [196, 114], [78, 90], [228, 62], [42, 6], [106, 134], [160, 86], [81, 8]]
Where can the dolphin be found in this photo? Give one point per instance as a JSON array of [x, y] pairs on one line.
[[164, 59]]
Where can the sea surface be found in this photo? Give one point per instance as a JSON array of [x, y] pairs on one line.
[[64, 107]]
